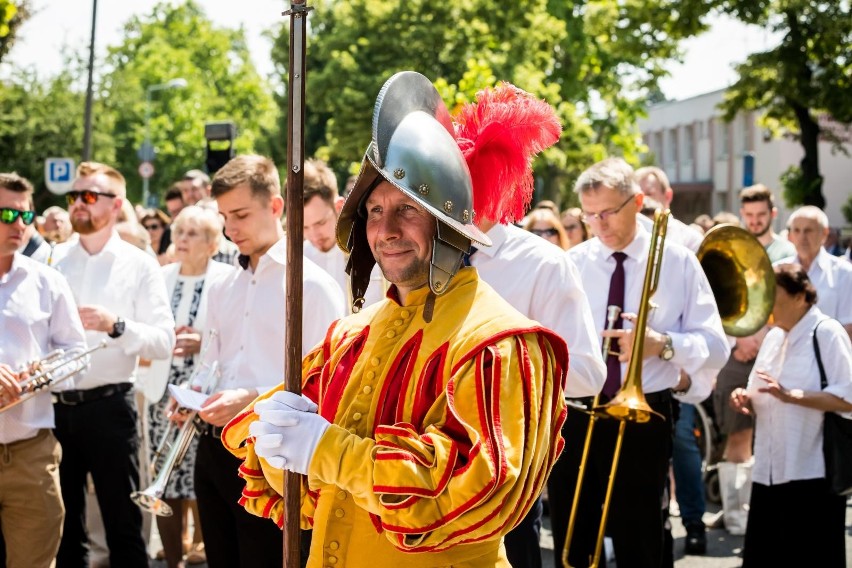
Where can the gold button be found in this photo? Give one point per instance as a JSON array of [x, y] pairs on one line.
[[356, 416], [332, 559], [391, 334], [375, 361], [370, 375], [333, 545], [398, 322], [352, 430], [339, 513], [404, 314], [341, 495], [368, 389]]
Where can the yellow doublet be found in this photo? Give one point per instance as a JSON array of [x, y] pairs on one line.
[[442, 434]]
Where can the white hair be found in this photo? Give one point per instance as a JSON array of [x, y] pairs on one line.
[[809, 212]]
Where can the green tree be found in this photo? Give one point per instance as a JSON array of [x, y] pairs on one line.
[[807, 75], [12, 15], [179, 41], [593, 60]]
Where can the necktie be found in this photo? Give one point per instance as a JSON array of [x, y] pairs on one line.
[[616, 298], [466, 256]]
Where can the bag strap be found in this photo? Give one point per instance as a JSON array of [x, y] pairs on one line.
[[822, 380]]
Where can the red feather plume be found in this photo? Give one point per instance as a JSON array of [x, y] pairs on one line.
[[499, 135]]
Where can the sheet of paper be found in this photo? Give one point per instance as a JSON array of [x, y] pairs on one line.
[[187, 398]]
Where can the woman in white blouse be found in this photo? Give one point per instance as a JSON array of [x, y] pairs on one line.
[[195, 233], [794, 517]]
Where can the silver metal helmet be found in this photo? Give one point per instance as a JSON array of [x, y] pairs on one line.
[[413, 147]]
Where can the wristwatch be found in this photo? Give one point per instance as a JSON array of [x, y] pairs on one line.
[[668, 350], [117, 328]]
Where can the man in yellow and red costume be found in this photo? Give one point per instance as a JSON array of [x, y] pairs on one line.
[[430, 420]]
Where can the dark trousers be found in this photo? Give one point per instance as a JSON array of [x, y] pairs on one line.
[[233, 537], [522, 542], [100, 437], [635, 520], [794, 524]]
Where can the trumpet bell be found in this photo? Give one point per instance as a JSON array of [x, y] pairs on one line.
[[151, 503], [741, 277], [629, 405]]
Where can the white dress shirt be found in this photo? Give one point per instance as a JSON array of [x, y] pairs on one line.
[[127, 282], [685, 310], [247, 310], [334, 262], [676, 232], [539, 280], [832, 278], [37, 316], [788, 437]]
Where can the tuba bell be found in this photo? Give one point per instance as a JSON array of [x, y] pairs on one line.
[[741, 277]]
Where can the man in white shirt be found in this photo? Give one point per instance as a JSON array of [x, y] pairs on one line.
[[655, 184], [830, 275], [121, 297], [37, 316], [684, 332], [322, 205], [247, 311]]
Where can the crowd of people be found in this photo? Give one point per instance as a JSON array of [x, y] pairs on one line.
[[451, 351]]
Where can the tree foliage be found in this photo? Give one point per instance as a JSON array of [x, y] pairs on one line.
[[12, 15], [593, 60], [808, 74], [179, 41]]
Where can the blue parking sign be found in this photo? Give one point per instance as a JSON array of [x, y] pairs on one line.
[[59, 174]]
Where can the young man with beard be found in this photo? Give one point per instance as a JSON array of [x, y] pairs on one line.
[[37, 315], [758, 212], [438, 409], [247, 310], [322, 205], [121, 297]]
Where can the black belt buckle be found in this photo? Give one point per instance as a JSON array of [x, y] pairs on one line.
[[66, 398]]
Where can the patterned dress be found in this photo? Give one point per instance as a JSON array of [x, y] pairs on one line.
[[186, 299]]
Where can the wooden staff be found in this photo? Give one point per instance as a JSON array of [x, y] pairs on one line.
[[298, 13]]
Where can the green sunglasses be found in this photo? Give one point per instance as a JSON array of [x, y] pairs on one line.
[[9, 216]]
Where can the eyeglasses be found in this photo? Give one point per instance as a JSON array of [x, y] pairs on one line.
[[153, 227], [89, 196], [604, 216], [544, 232], [9, 216], [571, 227]]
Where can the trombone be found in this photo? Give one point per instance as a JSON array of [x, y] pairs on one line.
[[57, 366], [172, 449], [629, 404]]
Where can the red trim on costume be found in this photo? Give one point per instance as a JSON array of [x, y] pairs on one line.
[[430, 386], [269, 504], [396, 382], [249, 471], [333, 393]]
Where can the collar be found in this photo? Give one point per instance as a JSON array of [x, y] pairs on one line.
[[277, 253], [16, 266], [419, 296], [805, 326], [112, 246], [637, 249], [498, 234]]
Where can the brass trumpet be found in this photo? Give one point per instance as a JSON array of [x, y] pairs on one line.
[[172, 448], [57, 366], [629, 404]]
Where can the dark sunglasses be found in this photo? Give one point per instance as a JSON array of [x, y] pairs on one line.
[[88, 196], [9, 216], [544, 232], [153, 226]]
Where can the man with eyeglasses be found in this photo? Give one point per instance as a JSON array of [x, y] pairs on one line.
[[121, 296], [37, 316], [322, 205], [684, 332]]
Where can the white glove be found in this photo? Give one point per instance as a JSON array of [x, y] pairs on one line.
[[288, 431]]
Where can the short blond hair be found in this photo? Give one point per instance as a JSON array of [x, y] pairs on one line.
[[117, 182], [209, 222]]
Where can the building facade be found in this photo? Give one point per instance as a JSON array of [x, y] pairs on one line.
[[707, 158]]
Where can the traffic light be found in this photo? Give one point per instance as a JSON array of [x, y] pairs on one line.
[[220, 144]]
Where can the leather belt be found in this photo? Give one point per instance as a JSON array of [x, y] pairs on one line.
[[214, 431], [75, 397]]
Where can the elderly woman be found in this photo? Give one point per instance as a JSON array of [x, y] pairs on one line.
[[544, 223], [794, 517], [195, 233]]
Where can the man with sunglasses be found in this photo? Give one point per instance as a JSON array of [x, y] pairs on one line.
[[122, 298], [37, 316], [684, 332]]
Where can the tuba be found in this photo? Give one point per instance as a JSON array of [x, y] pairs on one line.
[[629, 404], [58, 366], [173, 447], [741, 277]]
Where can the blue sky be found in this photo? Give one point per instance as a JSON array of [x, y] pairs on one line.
[[60, 23]]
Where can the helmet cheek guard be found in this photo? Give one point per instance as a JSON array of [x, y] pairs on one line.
[[414, 148]]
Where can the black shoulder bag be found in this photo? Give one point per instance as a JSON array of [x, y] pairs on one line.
[[836, 439]]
